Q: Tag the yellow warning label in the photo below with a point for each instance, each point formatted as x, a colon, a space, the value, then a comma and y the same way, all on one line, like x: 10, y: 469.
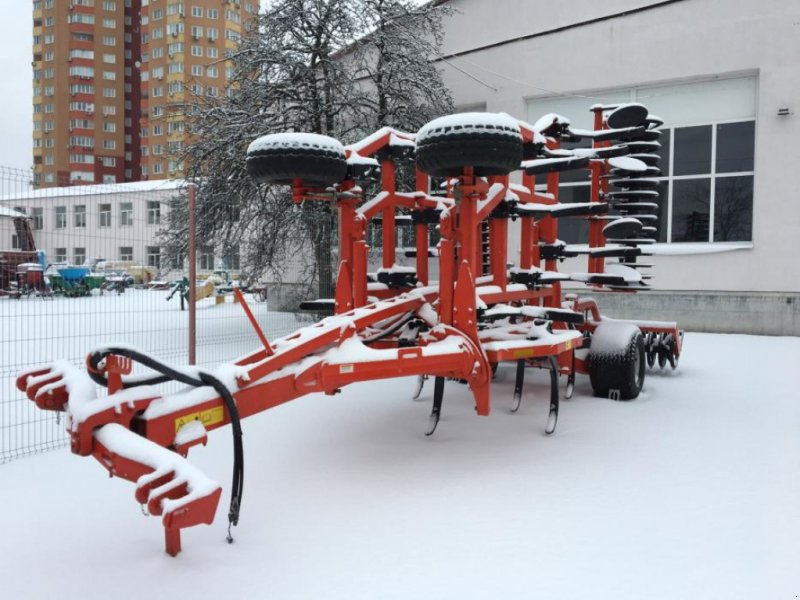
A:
x: 568, y: 345
x: 346, y: 368
x: 523, y: 352
x: 208, y: 418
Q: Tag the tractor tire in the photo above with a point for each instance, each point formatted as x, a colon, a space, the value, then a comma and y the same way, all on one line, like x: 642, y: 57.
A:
x: 617, y: 361
x: 490, y: 143
x: 282, y: 158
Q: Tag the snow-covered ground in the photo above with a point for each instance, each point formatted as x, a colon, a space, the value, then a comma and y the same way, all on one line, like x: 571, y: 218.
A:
x: 690, y: 491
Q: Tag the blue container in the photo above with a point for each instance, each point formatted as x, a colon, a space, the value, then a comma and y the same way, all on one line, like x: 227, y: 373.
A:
x: 73, y: 275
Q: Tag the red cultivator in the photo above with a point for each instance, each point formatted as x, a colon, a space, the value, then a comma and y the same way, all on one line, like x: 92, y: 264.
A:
x: 399, y: 321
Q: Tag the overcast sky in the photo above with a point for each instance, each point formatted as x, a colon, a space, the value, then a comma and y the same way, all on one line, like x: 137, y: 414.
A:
x: 16, y: 114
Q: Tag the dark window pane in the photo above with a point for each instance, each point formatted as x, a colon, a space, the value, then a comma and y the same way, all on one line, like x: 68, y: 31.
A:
x: 574, y: 230
x: 733, y: 209
x: 663, y: 152
x: 661, y: 224
x: 578, y: 175
x: 735, y: 146
x: 692, y: 150
x: 691, y: 202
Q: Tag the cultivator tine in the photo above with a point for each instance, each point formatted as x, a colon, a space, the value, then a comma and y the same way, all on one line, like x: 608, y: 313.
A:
x: 570, y: 380
x: 520, y: 379
x: 552, y: 416
x: 419, y: 385
x: 436, y: 412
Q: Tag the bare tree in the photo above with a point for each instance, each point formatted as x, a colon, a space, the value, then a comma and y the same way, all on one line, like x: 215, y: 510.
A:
x: 306, y: 65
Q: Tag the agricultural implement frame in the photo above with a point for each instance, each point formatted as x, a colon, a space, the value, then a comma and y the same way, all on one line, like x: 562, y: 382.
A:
x: 397, y: 322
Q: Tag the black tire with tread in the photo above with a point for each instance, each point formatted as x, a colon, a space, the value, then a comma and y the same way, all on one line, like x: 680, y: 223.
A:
x: 622, y: 369
x: 314, y: 166
x: 490, y: 153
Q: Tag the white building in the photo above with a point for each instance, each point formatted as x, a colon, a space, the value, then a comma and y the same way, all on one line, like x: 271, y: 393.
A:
x: 725, y: 78
x: 116, y: 222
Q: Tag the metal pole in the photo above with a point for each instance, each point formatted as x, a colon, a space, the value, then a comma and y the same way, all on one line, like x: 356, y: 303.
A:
x: 192, y: 258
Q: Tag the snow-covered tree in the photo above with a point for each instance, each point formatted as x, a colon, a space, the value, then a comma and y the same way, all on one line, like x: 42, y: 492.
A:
x: 335, y: 67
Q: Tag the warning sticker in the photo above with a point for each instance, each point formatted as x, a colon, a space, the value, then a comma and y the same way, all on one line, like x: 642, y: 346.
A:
x: 208, y: 418
x: 346, y: 368
x: 523, y: 352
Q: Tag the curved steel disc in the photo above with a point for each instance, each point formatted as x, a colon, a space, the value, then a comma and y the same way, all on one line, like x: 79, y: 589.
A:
x: 627, y: 115
x: 626, y: 227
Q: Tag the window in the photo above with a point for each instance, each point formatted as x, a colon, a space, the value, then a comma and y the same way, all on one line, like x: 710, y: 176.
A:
x: 126, y: 253
x: 213, y: 13
x: 109, y: 127
x: 205, y: 259
x: 707, y: 158
x: 61, y: 255
x: 104, y: 216
x: 109, y: 5
x: 109, y: 144
x: 49, y: 159
x: 109, y: 92
x: 157, y: 130
x: 80, y: 215
x: 81, y: 72
x: 213, y: 33
x: 175, y: 8
x: 109, y: 179
x: 212, y: 72
x: 110, y: 59
x: 81, y: 88
x: 61, y: 217
x: 109, y: 109
x: 126, y: 214
x: 109, y: 40
x: 197, y: 11
x: 79, y: 17
x: 153, y: 212
x: 197, y: 31
x: 109, y: 23
x: 153, y: 256
x: 197, y: 70
x: 108, y: 161
x: 78, y: 256
x: 231, y: 259
x: 81, y: 124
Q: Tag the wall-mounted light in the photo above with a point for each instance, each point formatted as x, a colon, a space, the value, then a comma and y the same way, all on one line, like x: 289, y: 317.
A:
x: 784, y: 112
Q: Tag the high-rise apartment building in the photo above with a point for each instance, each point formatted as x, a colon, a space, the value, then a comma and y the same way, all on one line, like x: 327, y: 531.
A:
x: 114, y: 82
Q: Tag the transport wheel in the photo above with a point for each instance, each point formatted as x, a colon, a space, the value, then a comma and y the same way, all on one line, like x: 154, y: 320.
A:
x: 617, y: 361
x: 280, y: 158
x: 489, y: 142
x: 650, y: 348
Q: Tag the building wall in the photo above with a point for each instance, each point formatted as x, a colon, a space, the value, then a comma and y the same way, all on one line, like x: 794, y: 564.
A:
x: 97, y: 238
x: 676, y: 42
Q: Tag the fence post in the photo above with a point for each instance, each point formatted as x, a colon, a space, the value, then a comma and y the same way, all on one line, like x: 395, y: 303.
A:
x: 192, y: 258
